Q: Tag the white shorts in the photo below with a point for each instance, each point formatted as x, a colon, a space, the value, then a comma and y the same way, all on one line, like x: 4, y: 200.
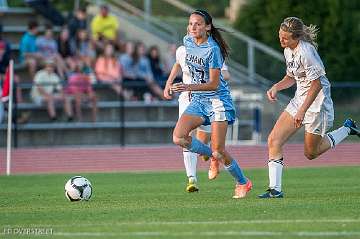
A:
x: 183, y: 104
x: 315, y: 122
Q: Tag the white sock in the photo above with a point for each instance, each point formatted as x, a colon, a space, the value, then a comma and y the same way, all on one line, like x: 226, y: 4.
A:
x: 338, y: 135
x: 275, y: 173
x: 190, y: 161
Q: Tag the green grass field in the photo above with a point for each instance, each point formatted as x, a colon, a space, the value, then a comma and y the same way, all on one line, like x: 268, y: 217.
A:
x: 319, y: 203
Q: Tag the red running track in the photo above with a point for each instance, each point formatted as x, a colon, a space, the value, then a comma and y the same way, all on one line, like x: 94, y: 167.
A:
x: 115, y: 159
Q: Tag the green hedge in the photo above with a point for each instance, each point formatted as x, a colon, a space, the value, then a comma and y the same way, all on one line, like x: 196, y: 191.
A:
x: 338, y: 21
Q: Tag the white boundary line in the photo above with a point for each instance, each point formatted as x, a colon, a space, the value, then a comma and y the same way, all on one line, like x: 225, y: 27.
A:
x: 201, y: 233
x: 209, y: 234
x: 284, y: 221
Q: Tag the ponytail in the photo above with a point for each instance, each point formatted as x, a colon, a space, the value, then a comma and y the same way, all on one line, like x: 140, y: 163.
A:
x: 224, y: 47
x: 310, y: 34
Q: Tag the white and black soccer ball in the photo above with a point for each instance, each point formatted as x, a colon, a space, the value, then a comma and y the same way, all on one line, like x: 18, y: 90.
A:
x: 78, y: 188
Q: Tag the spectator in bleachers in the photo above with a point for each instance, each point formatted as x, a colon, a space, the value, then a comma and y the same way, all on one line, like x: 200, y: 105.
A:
x: 83, y: 48
x: 4, y: 56
x: 47, y: 89
x: 108, y: 70
x: 143, y: 70
x: 137, y: 71
x: 5, y: 51
x: 4, y: 61
x: 65, y: 49
x: 157, y: 66
x: 77, y: 21
x: 47, y: 10
x: 48, y: 49
x: 170, y: 59
x: 104, y: 28
x: 79, y: 86
x: 28, y: 50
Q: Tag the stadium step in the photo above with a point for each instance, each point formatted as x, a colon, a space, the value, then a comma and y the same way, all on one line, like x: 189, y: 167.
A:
x: 110, y: 111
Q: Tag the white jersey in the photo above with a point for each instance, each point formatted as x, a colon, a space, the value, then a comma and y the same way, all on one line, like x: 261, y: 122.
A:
x: 304, y: 65
x: 186, y: 77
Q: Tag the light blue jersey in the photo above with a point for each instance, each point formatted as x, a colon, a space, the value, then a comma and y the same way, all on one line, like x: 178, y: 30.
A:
x: 210, y: 105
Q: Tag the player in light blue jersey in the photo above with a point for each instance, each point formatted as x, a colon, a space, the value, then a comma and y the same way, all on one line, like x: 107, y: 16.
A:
x: 211, y: 102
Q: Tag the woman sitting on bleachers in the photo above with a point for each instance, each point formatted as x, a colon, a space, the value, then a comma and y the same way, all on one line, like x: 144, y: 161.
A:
x: 65, y: 49
x: 137, y: 71
x: 108, y: 71
x: 157, y: 66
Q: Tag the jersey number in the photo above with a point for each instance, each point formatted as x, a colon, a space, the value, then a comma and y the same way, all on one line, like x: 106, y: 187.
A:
x: 198, y: 75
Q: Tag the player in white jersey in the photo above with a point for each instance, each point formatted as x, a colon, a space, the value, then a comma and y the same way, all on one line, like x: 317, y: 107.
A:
x: 203, y: 132
x: 311, y: 106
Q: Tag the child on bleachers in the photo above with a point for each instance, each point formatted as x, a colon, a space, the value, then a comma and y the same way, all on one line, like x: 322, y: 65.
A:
x: 79, y: 86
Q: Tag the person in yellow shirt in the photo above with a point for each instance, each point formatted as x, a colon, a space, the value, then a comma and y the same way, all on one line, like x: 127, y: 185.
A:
x: 104, y: 25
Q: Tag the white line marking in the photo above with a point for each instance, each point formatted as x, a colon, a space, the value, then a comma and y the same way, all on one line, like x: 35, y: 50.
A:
x: 211, y: 234
x: 284, y: 221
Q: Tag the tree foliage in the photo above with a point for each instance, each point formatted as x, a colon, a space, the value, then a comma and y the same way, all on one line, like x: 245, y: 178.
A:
x: 338, y: 21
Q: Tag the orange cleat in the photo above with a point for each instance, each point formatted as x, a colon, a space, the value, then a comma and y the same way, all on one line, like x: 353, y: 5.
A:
x: 242, y: 189
x: 214, y: 168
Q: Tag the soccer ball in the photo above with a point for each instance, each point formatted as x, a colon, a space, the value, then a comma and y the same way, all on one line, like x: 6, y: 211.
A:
x: 78, y: 188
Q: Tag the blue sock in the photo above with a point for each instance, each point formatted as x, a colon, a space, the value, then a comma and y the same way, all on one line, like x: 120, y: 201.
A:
x: 199, y: 147
x: 236, y: 172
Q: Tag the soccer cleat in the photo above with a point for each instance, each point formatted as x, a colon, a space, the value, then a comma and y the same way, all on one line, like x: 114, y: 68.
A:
x: 204, y: 158
x: 191, y: 186
x: 242, y: 189
x: 352, y: 126
x: 214, y: 168
x: 271, y: 193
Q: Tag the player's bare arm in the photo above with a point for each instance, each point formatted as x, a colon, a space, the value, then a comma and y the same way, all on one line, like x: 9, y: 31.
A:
x: 285, y: 83
x: 174, y: 72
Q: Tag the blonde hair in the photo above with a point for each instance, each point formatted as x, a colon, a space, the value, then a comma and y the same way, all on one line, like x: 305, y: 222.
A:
x: 299, y: 30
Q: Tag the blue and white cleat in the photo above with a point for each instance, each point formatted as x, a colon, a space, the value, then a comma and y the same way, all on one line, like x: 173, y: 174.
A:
x: 354, y: 130
x: 271, y: 193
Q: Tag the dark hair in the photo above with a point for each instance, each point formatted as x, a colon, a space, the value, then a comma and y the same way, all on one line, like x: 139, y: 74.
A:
x: 136, y: 56
x: 214, y: 32
x: 48, y: 26
x: 32, y: 24
x: 82, y: 9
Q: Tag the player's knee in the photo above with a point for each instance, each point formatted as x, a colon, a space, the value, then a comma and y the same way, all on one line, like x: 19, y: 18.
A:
x: 218, y: 154
x: 273, y: 142
x: 310, y: 155
x: 181, y: 141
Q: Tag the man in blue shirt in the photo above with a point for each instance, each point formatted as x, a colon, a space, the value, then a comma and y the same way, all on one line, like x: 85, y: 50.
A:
x: 28, y: 50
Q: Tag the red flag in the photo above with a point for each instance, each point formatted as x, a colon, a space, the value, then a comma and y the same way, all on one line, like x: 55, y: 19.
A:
x: 6, y: 86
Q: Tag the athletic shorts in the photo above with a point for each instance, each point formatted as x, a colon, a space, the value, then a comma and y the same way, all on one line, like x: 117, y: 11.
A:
x: 183, y: 104
x: 211, y: 110
x: 315, y: 122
